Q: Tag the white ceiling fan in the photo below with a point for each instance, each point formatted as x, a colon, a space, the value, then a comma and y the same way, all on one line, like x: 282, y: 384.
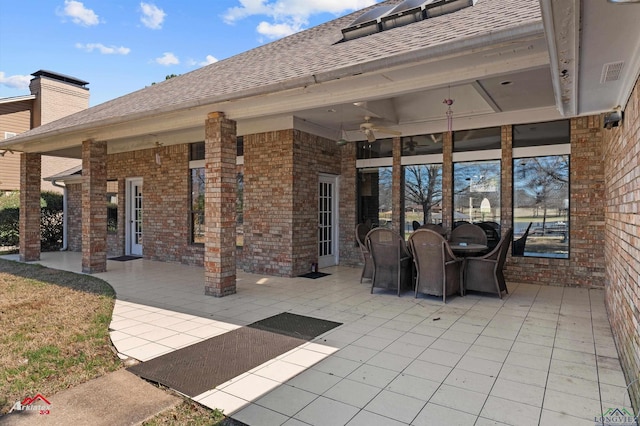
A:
x: 368, y: 128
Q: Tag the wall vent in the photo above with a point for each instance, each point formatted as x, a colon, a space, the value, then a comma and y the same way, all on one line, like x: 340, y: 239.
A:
x: 611, y: 71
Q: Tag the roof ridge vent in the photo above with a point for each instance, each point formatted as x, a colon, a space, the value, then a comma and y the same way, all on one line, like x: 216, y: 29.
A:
x: 611, y: 71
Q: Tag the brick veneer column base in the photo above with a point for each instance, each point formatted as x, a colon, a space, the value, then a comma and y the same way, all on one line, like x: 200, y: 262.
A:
x: 220, y: 206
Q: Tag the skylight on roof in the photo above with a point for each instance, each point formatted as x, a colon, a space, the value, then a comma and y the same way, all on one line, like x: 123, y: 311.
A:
x: 384, y: 18
x: 367, y: 23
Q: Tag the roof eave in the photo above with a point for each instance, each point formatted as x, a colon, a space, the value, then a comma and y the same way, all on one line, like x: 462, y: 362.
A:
x: 562, y: 23
x: 529, y: 29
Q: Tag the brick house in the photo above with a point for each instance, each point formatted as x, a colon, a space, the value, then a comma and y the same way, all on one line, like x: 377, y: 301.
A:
x: 53, y: 96
x: 539, y: 124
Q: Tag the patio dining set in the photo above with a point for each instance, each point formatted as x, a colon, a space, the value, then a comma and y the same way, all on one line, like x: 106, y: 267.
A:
x: 433, y: 261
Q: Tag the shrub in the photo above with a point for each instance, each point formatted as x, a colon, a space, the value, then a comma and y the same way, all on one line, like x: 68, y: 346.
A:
x: 9, y: 226
x: 51, y: 219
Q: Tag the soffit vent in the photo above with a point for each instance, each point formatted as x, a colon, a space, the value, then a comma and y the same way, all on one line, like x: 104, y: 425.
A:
x: 611, y: 71
x: 384, y: 18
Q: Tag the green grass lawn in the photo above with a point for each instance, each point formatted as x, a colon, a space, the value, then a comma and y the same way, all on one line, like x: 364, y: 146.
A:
x: 54, y: 330
x: 55, y: 335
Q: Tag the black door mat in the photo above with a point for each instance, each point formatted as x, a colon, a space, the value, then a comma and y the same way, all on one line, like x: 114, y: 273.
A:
x: 314, y: 275
x: 203, y: 366
x: 125, y: 258
x: 293, y: 325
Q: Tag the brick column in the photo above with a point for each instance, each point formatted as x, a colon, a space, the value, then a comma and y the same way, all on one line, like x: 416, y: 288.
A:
x: 30, y: 177
x: 220, y: 206
x: 349, y: 250
x: 94, y: 206
x: 506, y: 187
x: 397, y: 192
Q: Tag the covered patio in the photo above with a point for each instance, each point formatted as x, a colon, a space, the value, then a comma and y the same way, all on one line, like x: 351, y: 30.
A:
x: 541, y: 355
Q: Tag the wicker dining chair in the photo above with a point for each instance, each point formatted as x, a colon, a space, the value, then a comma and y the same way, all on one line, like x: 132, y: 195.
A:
x: 484, y: 273
x: 361, y: 237
x: 392, y: 267
x: 434, y: 227
x: 468, y: 233
x: 438, y: 270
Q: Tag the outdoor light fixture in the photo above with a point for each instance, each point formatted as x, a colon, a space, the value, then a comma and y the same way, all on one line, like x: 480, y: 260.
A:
x: 342, y: 141
x: 158, y: 158
x: 612, y: 119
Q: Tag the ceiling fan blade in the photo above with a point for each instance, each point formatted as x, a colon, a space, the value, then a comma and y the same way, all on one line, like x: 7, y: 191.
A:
x: 370, y: 136
x: 388, y: 131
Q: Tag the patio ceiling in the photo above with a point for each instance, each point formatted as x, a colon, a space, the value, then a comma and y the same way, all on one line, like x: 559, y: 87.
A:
x: 584, y: 59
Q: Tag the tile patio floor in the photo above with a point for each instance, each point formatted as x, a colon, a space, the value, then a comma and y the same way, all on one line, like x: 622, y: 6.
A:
x: 541, y: 356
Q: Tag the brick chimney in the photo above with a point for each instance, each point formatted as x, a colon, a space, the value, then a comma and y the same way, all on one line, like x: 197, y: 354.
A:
x: 57, y: 95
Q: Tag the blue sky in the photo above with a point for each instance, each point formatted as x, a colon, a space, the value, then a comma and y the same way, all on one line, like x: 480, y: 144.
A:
x: 120, y: 46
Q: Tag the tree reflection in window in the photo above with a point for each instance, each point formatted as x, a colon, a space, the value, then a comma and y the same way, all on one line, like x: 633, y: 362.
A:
x: 197, y: 205
x: 423, y: 193
x: 541, y: 197
x: 112, y: 206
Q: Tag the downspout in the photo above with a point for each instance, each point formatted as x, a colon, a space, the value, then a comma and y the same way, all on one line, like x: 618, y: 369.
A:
x: 64, y: 214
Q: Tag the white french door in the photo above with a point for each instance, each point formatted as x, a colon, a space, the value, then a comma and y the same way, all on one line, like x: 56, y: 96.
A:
x: 134, y: 217
x: 327, y: 221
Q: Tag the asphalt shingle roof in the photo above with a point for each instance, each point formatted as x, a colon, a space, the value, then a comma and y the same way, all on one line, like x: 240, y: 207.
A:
x: 295, y: 60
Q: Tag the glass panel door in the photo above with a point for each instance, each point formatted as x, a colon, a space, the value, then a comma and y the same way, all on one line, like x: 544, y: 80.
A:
x: 135, y: 213
x: 327, y: 223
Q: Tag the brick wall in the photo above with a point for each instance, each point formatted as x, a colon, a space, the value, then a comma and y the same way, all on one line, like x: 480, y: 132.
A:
x: 349, y: 250
x: 280, y: 212
x: 74, y: 217
x: 165, y: 202
x: 622, y: 238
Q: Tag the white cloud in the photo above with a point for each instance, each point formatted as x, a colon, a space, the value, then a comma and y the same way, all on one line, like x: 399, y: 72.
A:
x: 152, y: 16
x: 105, y: 50
x: 167, y: 59
x: 15, y: 81
x: 209, y: 60
x: 79, y: 14
x: 274, y: 31
x: 289, y: 16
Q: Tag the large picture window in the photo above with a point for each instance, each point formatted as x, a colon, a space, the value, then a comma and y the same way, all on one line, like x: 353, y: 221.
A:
x: 375, y: 200
x: 197, y: 205
x: 422, y: 194
x: 541, y: 206
x: 112, y: 206
x: 380, y: 148
x: 476, y: 195
x: 196, y: 202
x: 541, y: 189
x: 239, y: 209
